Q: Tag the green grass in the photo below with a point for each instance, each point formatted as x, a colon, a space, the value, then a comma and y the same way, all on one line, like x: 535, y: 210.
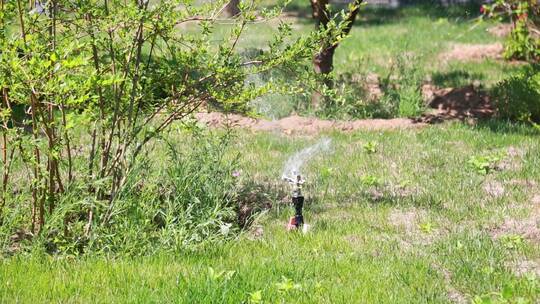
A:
x: 381, y: 36
x: 423, y: 233
x: 375, y: 48
x: 408, y: 221
x: 424, y: 31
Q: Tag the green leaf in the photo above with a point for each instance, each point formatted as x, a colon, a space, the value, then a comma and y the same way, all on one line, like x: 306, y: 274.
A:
x: 255, y: 297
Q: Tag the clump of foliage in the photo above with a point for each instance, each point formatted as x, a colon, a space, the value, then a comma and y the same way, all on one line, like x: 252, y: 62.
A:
x: 100, y: 82
x: 518, y: 97
x: 401, y: 94
x: 187, y: 199
x: 370, y: 180
x: 370, y: 147
x: 523, y: 42
x: 521, y: 45
x: 402, y: 88
x: 189, y: 202
x: 484, y: 164
x: 350, y: 99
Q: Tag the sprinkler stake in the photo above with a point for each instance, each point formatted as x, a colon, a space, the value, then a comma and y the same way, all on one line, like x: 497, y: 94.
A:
x: 298, y: 202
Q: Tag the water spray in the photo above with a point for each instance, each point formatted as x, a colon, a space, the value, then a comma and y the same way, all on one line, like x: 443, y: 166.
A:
x: 292, y: 175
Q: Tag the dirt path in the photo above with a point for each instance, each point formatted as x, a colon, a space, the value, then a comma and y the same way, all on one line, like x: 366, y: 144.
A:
x: 304, y: 125
x: 473, y: 52
x: 449, y: 104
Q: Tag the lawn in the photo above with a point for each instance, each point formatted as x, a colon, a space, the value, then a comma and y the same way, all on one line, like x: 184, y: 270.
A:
x: 439, y: 214
x: 445, y: 213
x: 417, y: 34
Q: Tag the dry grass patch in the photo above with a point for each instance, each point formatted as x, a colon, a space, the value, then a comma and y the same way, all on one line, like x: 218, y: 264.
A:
x: 500, y: 30
x: 417, y: 227
x: 473, y: 52
x: 454, y: 295
x: 526, y: 267
x: 528, y: 227
x: 494, y: 189
x: 513, y: 160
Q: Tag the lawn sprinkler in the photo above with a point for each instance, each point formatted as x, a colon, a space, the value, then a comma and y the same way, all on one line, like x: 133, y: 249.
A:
x: 291, y: 174
x: 297, y: 221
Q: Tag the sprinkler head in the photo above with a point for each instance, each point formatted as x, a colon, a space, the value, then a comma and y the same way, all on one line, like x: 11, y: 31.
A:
x: 298, y: 201
x: 296, y: 184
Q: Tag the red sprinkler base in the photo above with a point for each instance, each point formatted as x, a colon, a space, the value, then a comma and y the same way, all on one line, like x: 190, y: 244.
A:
x: 293, y: 224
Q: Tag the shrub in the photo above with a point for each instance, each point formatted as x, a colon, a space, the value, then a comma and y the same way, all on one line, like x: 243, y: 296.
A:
x: 128, y: 72
x: 401, y: 94
x: 188, y: 199
x: 520, y: 45
x: 525, y: 18
x: 191, y: 201
x: 518, y: 97
x: 349, y: 100
x: 402, y: 88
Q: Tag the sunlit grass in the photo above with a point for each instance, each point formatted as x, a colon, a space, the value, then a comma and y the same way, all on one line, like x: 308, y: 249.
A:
x: 382, y: 37
x: 408, y: 220
x: 421, y: 234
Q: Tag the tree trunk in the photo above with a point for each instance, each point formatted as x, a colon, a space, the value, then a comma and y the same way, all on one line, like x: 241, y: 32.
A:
x: 323, y: 64
x: 232, y: 9
x: 320, y: 13
x: 323, y: 61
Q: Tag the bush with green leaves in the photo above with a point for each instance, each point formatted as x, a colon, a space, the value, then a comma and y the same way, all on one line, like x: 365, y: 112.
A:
x: 525, y: 18
x: 100, y: 81
x: 187, y: 199
x: 518, y: 97
x: 188, y: 203
x: 401, y: 88
x: 349, y: 99
x: 520, y: 44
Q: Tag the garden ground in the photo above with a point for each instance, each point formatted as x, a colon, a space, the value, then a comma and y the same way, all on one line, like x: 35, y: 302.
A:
x: 441, y: 47
x: 444, y: 213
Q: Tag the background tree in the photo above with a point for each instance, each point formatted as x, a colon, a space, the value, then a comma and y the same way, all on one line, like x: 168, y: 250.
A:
x: 518, y: 96
x: 332, y: 34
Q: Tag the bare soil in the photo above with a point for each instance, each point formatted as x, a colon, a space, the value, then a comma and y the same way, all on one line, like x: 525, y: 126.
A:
x: 473, y: 52
x: 501, y: 30
x: 303, y: 125
x: 463, y: 103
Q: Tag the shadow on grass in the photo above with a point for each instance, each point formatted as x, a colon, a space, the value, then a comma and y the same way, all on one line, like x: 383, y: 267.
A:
x: 457, y: 78
x: 502, y: 126
x: 256, y: 196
